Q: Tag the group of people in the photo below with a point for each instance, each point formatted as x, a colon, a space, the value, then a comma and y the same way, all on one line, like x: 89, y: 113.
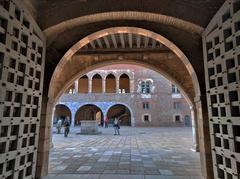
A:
x: 65, y: 124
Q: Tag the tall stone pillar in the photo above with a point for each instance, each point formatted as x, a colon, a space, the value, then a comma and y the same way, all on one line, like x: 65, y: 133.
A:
x: 72, y: 118
x: 117, y: 85
x: 131, y: 86
x: 195, y: 146
x: 76, y: 86
x: 90, y: 85
x: 104, y: 85
x: 204, y: 137
x: 44, y: 137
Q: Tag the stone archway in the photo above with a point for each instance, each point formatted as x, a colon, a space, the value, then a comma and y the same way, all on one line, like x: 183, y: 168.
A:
x: 61, y: 112
x: 186, y: 82
x: 120, y: 111
x: 89, y: 112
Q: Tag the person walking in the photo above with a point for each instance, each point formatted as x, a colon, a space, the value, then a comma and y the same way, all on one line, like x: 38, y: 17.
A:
x: 106, y: 122
x: 116, y: 125
x: 59, y: 126
x: 67, y: 127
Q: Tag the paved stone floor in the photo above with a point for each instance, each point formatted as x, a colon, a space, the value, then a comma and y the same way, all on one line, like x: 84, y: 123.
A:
x: 150, y: 153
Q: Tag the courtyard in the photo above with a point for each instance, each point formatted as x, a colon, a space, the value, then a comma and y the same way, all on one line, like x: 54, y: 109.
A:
x: 163, y: 152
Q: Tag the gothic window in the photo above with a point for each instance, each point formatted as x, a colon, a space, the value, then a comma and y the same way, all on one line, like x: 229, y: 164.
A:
x: 146, y: 87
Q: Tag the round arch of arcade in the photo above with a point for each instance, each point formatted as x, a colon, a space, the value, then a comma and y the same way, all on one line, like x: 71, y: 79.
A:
x: 88, y: 111
x: 132, y: 119
x: 61, y: 111
x: 59, y: 82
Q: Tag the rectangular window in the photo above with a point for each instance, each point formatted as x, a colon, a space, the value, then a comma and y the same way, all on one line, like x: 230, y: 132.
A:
x: 177, y: 118
x: 146, y: 118
x: 145, y: 105
x: 175, y: 90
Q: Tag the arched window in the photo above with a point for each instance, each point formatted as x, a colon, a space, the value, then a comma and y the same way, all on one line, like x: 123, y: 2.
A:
x: 110, y: 84
x: 97, y: 84
x: 83, y: 84
x: 124, y: 83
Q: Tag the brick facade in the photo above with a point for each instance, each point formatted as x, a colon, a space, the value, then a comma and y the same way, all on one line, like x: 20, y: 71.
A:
x: 161, y: 105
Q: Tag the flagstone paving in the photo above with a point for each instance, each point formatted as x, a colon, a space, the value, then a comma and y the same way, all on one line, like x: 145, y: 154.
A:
x: 136, y: 153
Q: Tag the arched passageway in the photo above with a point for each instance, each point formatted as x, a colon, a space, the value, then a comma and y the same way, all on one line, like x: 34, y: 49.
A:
x: 61, y: 112
x: 83, y: 84
x: 89, y: 112
x: 110, y: 84
x: 121, y: 112
x: 184, y: 76
x: 124, y: 83
x: 97, y: 84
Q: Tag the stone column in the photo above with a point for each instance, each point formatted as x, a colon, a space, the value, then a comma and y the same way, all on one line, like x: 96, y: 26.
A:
x: 131, y: 87
x: 44, y: 141
x: 90, y: 85
x: 72, y: 118
x: 104, y: 85
x: 117, y: 85
x: 76, y: 86
x: 195, y: 146
x: 204, y: 137
x: 104, y: 117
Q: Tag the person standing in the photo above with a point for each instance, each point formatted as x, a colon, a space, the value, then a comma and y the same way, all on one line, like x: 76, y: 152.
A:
x: 67, y: 127
x: 59, y: 126
x: 116, y: 125
x: 106, y: 122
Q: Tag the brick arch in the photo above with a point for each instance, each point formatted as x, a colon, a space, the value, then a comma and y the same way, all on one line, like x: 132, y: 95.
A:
x: 53, y: 32
x: 54, y: 93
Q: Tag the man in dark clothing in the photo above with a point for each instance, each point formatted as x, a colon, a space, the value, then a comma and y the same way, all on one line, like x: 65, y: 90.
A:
x: 67, y: 127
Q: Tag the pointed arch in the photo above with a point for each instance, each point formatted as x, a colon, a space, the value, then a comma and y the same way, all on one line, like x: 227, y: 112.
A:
x: 110, y: 83
x: 124, y: 83
x: 97, y: 83
x: 83, y: 84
